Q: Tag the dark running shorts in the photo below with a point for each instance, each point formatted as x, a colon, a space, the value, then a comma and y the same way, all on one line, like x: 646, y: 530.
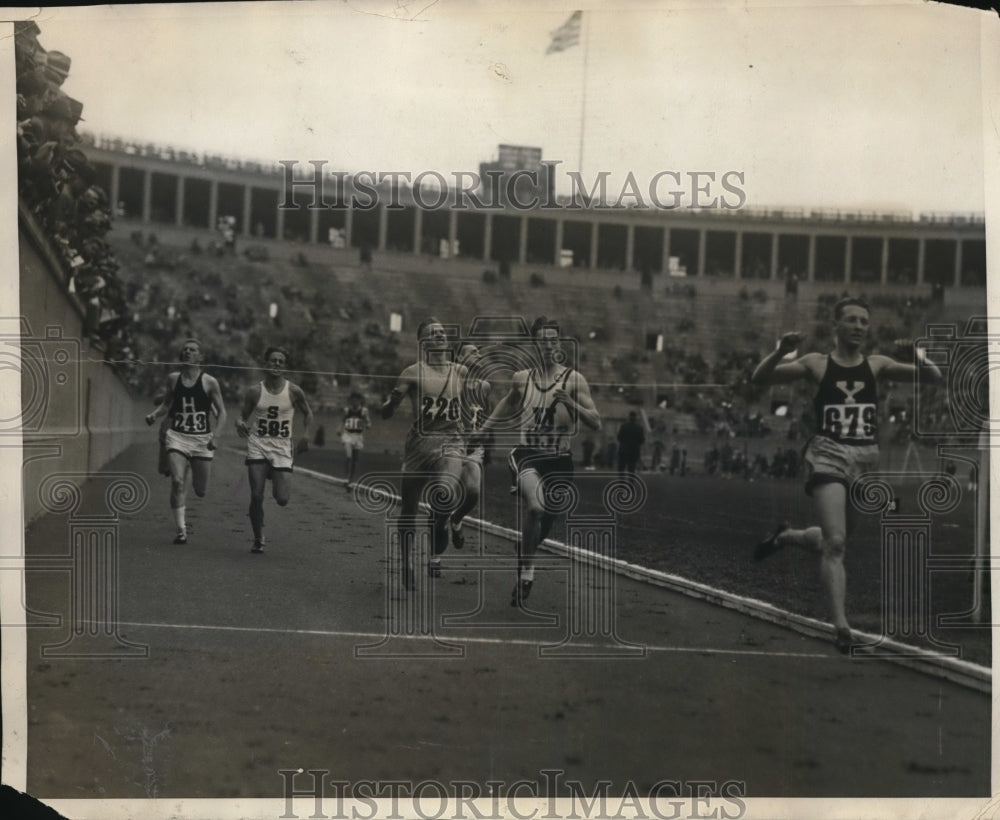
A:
x: 548, y: 465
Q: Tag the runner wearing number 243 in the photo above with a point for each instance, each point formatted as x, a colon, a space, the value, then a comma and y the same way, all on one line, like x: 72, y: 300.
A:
x: 191, y: 398
x: 846, y: 441
x: 266, y: 423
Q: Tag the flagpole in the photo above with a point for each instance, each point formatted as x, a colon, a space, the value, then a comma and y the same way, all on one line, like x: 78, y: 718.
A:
x: 583, y: 96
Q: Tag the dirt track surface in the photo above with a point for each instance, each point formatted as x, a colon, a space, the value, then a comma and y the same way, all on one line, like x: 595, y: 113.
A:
x: 704, y: 527
x: 253, y: 666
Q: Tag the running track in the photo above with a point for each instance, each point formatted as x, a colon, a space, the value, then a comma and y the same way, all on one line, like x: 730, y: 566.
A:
x: 252, y: 667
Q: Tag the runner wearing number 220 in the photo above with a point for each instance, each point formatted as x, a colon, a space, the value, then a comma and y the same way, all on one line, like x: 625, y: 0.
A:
x: 435, y: 446
x: 266, y: 423
x: 846, y: 440
x: 545, y: 401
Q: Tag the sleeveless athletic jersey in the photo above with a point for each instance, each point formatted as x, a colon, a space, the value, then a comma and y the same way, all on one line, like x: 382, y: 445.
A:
x: 191, y: 408
x: 354, y: 420
x: 547, y: 426
x: 439, y: 406
x: 272, y: 417
x: 846, y: 403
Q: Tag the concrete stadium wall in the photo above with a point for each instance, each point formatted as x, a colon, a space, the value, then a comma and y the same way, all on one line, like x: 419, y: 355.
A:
x: 77, y: 414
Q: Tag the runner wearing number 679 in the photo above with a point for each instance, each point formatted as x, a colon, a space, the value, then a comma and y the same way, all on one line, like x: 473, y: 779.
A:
x: 266, y: 423
x: 845, y: 444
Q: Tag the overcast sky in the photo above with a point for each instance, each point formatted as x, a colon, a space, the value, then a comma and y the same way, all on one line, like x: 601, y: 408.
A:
x: 852, y: 105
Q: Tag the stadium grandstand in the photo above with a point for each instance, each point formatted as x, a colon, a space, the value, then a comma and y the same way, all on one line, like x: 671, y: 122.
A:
x: 650, y: 289
x: 135, y: 225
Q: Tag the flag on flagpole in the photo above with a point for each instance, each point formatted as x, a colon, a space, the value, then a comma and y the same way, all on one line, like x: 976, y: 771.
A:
x: 567, y: 35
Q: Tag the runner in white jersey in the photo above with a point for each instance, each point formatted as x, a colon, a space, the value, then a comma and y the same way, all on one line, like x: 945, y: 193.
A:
x: 546, y: 400
x: 191, y: 399
x: 352, y: 433
x: 435, y: 445
x: 266, y: 421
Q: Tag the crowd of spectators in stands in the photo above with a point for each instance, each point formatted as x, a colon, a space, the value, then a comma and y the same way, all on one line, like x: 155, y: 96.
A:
x: 56, y: 184
x: 169, y: 154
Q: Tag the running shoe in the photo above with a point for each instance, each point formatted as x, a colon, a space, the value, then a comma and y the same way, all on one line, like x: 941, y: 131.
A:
x: 181, y: 538
x: 520, y: 592
x: 258, y: 547
x: 770, y: 545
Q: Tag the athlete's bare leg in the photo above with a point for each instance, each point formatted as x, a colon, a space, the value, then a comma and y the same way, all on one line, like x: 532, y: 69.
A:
x: 201, y: 471
x: 830, y: 503
x: 257, y: 476
x: 281, y: 486
x: 410, y: 488
x: 529, y: 484
x: 810, y: 538
x: 450, y: 475
x: 179, y: 469
x: 471, y: 482
x: 829, y: 540
x: 350, y: 462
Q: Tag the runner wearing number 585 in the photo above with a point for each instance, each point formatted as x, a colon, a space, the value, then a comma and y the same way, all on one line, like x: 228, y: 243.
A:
x: 546, y: 401
x: 266, y: 423
x: 846, y: 441
x: 192, y: 398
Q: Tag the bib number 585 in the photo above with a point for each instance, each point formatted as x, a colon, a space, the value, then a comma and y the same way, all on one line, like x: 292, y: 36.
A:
x: 274, y: 428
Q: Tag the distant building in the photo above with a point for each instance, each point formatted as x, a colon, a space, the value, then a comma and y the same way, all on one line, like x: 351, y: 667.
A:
x: 517, y: 177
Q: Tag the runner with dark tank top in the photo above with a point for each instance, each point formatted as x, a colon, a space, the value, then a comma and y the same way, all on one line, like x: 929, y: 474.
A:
x: 194, y: 409
x: 846, y: 403
x: 845, y: 443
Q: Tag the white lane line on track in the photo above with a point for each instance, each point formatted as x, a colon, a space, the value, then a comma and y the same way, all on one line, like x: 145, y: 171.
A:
x: 957, y: 670
x: 337, y: 633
